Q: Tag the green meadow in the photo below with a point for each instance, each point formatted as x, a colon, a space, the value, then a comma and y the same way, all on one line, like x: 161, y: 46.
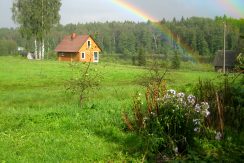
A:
x: 41, y: 122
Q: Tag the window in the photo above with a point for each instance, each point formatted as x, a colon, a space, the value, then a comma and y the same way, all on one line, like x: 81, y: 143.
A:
x: 88, y: 43
x: 83, y: 55
x: 95, y: 56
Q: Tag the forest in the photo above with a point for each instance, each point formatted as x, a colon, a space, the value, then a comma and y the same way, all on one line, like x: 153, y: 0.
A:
x: 202, y: 36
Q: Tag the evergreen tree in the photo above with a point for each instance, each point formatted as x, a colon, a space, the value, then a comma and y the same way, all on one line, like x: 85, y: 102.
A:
x: 175, y: 61
x: 142, y: 57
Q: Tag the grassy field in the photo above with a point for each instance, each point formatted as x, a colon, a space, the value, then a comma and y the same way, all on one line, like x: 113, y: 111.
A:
x: 41, y: 122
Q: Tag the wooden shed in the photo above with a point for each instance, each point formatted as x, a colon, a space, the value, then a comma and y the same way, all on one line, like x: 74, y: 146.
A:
x: 230, y: 59
x: 81, y: 48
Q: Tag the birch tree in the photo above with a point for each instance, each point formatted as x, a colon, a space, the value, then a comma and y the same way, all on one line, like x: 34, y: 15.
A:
x: 36, y: 18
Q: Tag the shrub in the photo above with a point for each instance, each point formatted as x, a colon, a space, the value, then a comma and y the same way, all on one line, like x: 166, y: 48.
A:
x: 226, y: 102
x: 86, y: 80
x: 168, y: 121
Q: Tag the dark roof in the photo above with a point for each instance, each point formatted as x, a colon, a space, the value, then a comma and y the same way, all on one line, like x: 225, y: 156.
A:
x: 230, y: 58
x: 69, y: 44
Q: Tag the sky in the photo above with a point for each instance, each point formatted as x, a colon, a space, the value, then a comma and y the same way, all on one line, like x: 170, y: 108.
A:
x: 82, y: 11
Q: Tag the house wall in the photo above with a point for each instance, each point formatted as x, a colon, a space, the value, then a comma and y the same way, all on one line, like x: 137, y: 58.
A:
x: 88, y: 51
x: 64, y: 56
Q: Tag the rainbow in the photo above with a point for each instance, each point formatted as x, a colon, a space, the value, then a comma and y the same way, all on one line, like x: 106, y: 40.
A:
x: 155, y: 23
x: 235, y: 7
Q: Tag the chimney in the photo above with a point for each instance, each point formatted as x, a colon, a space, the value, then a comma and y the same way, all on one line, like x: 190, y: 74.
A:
x: 73, y: 35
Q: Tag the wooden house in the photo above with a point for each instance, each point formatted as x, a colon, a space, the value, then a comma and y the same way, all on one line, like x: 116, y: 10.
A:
x: 230, y: 60
x: 80, y: 48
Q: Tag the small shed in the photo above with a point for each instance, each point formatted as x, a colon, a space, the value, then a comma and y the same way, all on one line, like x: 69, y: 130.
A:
x: 81, y: 48
x: 230, y: 59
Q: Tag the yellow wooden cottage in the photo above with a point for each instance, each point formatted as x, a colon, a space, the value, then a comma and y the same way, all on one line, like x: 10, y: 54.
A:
x: 81, y: 48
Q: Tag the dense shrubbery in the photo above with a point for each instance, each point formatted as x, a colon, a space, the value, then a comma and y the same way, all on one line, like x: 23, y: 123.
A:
x: 174, y: 125
x: 168, y: 121
x: 225, y: 97
x: 7, y: 47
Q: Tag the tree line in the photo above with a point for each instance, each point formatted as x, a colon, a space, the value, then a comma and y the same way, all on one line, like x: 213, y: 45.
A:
x: 203, y: 36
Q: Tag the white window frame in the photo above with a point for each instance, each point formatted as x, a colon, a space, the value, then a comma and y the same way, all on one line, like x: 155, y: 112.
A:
x: 84, y: 55
x: 94, y: 56
x: 88, y: 44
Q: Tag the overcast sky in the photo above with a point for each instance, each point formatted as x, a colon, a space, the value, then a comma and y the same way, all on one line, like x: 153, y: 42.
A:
x: 74, y: 11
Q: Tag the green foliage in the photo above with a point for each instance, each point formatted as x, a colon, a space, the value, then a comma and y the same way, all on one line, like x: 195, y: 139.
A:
x: 8, y: 47
x: 87, y: 80
x: 175, y: 61
x: 40, y: 122
x: 204, y: 36
x: 240, y: 62
x: 225, y: 100
x: 142, y: 57
x: 37, y: 17
x: 168, y: 122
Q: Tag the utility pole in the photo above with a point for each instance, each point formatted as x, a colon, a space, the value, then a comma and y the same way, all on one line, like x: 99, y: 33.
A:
x: 224, y: 45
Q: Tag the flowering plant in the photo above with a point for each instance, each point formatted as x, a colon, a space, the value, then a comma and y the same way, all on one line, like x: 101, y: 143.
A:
x: 169, y: 120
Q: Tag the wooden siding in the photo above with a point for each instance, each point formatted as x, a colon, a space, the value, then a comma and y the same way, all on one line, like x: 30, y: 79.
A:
x: 64, y: 56
x: 89, y: 53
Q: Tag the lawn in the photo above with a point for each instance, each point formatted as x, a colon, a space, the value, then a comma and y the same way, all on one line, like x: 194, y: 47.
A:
x: 41, y: 122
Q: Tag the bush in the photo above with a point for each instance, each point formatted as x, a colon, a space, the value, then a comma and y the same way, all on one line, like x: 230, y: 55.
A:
x: 225, y: 97
x: 86, y: 80
x: 168, y: 121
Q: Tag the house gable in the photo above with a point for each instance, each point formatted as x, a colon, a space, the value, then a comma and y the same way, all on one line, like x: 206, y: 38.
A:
x: 78, y: 48
x: 93, y: 45
x: 89, y: 50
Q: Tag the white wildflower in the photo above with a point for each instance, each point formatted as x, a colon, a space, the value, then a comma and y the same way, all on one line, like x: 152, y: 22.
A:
x: 196, y: 121
x: 176, y: 149
x: 196, y: 129
x: 218, y: 136
x: 204, y: 105
x: 180, y: 95
x: 145, y: 119
x: 197, y: 108
x: 171, y: 92
x: 191, y: 99
x: 153, y: 114
x: 206, y: 113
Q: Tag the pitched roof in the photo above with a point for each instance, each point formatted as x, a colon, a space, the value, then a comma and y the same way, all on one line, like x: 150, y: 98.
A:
x: 230, y: 58
x: 71, y: 44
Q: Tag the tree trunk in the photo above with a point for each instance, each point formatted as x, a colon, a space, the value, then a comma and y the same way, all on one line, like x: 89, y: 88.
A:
x: 35, y: 52
x: 155, y: 42
x: 43, y: 49
x: 39, y: 50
